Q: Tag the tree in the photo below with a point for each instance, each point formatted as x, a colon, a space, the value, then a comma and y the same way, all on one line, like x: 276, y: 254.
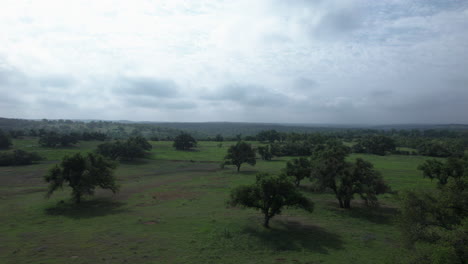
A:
x: 219, y: 138
x: 269, y: 194
x: 83, y: 173
x: 240, y: 153
x: 435, y: 169
x: 265, y: 152
x: 377, y: 145
x: 132, y: 148
x: 298, y: 169
x: 18, y: 157
x: 268, y: 135
x: 331, y: 170
x: 184, y: 141
x: 437, y: 221
x: 5, y: 141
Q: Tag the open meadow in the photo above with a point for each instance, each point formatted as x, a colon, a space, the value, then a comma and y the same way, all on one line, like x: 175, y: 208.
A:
x: 171, y: 208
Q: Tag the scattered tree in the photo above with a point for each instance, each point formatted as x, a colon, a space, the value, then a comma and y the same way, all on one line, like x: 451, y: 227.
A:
x: 298, y: 169
x: 18, y: 157
x: 184, y: 141
x: 83, y: 173
x: 435, y: 223
x: 132, y: 148
x: 265, y: 152
x: 378, y: 145
x: 270, y: 194
x: 331, y: 170
x: 240, y: 153
x: 5, y: 141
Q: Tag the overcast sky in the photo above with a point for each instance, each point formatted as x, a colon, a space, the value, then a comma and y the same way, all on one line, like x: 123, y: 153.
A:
x: 330, y: 61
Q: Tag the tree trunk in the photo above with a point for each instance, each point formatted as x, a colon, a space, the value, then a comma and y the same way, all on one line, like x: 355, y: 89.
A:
x: 347, y: 204
x: 341, y: 203
x: 266, y: 223
x: 238, y: 167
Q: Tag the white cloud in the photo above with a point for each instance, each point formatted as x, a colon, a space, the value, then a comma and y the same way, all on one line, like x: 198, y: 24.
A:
x: 301, y: 60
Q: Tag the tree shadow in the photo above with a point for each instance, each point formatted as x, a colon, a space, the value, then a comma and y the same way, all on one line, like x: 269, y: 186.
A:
x: 294, y: 236
x: 378, y: 215
x: 87, y: 209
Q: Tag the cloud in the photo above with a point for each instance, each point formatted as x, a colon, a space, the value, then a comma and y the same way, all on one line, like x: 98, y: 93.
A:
x: 147, y: 86
x: 247, y: 95
x: 353, y: 61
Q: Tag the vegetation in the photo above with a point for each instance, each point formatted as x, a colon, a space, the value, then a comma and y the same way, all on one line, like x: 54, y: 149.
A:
x: 5, y: 141
x: 265, y: 152
x: 240, y: 153
x: 331, y: 170
x: 378, y: 145
x: 184, y: 141
x: 435, y: 224
x: 83, y: 173
x: 132, y: 148
x: 299, y: 169
x: 53, y: 139
x: 172, y: 205
x: 269, y: 195
x: 18, y: 157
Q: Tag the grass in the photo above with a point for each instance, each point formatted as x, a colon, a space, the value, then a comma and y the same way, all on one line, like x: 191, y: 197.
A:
x: 172, y: 209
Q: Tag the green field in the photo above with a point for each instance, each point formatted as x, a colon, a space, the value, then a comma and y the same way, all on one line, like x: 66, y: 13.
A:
x: 172, y: 209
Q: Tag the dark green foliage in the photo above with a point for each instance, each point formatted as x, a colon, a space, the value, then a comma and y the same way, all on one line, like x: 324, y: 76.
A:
x: 378, y: 145
x: 299, y: 169
x: 268, y: 135
x: 18, y: 157
x: 437, y: 148
x: 132, y: 148
x: 184, y: 141
x: 83, y: 173
x: 219, y: 138
x: 269, y: 195
x: 240, y: 153
x: 5, y: 141
x: 265, y: 152
x: 436, y: 224
x: 331, y: 170
x: 442, y: 171
x: 86, y: 136
x: 53, y: 139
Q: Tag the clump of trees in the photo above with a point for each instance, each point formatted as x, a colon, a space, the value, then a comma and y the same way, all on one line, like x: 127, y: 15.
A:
x: 184, y: 141
x: 435, y: 224
x: 376, y: 144
x: 18, y: 157
x: 270, y: 194
x: 83, y: 173
x: 53, y: 139
x: 269, y: 135
x: 240, y: 153
x: 130, y: 149
x: 5, y: 141
x: 346, y: 179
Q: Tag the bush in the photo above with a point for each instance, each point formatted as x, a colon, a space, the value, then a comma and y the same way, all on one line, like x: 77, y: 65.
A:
x: 18, y: 157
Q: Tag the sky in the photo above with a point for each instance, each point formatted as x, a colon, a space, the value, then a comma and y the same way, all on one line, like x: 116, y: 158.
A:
x: 295, y: 61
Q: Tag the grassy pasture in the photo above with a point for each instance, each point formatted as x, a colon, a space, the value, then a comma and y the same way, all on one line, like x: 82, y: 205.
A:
x: 171, y: 209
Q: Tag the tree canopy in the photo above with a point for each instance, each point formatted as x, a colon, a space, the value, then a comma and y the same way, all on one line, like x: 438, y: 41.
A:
x: 240, y: 153
x: 436, y: 223
x: 270, y: 194
x: 132, y: 148
x: 5, y: 141
x: 83, y: 173
x: 299, y: 169
x: 184, y: 141
x: 331, y: 170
